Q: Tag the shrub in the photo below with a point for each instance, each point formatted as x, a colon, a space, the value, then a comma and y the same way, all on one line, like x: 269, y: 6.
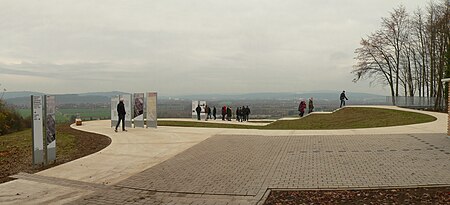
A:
x: 10, y: 120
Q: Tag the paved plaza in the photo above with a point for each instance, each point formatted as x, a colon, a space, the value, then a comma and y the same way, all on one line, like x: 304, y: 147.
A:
x: 172, y: 165
x: 241, y: 169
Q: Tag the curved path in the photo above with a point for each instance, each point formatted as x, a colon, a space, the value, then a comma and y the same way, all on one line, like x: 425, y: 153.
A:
x: 230, y: 166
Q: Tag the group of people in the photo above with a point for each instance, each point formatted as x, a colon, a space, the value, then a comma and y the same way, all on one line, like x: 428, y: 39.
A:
x: 242, y: 113
x: 302, y: 107
x: 209, y: 113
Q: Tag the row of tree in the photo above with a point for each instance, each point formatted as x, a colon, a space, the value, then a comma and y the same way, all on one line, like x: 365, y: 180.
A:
x: 409, y: 53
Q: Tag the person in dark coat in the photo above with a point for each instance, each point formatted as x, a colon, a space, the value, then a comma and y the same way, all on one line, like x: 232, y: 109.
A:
x: 214, y: 112
x: 229, y: 113
x: 247, y: 113
x: 238, y: 114
x: 242, y: 114
x: 198, y: 110
x: 209, y: 112
x: 310, y: 105
x: 121, y: 112
x: 343, y: 98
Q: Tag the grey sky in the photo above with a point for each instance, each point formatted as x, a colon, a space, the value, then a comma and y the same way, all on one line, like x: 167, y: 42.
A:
x: 186, y: 46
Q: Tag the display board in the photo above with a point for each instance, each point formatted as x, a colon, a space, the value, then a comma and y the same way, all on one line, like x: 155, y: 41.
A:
x: 202, y: 113
x: 127, y: 103
x: 114, y: 114
x: 50, y: 128
x: 37, y: 125
x: 138, y: 111
x: 151, y: 108
x: 194, y: 112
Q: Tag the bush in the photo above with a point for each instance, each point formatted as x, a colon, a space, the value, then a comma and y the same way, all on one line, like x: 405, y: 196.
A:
x: 10, y: 120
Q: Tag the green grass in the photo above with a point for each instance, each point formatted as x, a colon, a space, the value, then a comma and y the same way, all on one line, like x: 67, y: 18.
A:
x: 19, y: 143
x: 204, y: 124
x: 64, y: 115
x: 347, y: 118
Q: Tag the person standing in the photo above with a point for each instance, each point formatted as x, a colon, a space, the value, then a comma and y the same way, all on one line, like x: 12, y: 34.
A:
x: 238, y: 114
x: 310, y: 105
x: 224, y: 112
x: 214, y: 112
x: 343, y: 98
x: 198, y: 110
x: 121, y: 112
x: 207, y: 111
x: 247, y: 113
x: 229, y: 113
x: 301, y: 108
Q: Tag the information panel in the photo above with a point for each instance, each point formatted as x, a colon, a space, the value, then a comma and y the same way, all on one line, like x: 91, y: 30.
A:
x: 114, y: 114
x: 202, y: 113
x: 38, y: 137
x: 50, y: 128
x: 138, y: 111
x: 151, y: 109
x: 194, y: 112
x: 127, y: 103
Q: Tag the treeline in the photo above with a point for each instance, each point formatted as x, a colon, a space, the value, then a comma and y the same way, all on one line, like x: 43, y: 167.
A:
x: 409, y: 53
x: 11, y: 121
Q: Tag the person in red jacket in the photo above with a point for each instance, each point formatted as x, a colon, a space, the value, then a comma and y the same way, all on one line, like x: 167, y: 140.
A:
x: 224, y: 112
x: 302, y: 108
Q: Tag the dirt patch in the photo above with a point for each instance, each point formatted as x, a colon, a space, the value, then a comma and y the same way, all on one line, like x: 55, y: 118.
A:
x: 74, y: 144
x: 437, y: 195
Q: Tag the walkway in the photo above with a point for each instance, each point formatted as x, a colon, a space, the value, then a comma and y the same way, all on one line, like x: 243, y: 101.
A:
x: 238, y: 166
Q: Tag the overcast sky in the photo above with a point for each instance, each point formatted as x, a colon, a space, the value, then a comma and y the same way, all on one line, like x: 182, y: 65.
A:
x: 186, y: 46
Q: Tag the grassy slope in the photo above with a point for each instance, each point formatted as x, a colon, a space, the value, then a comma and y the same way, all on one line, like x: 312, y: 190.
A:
x: 204, y: 124
x: 15, y: 149
x: 19, y: 143
x: 347, y: 118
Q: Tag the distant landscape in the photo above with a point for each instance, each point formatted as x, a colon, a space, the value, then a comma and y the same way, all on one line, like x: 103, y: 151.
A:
x: 93, y: 106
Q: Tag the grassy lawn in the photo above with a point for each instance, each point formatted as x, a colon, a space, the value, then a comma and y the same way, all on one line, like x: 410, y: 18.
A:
x: 347, y: 118
x: 63, y: 115
x: 15, y: 151
x: 204, y: 124
x: 16, y: 156
x: 19, y: 143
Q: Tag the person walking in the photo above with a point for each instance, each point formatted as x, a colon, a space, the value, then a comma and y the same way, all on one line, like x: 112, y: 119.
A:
x: 198, y: 110
x: 343, y: 98
x: 121, y: 112
x: 310, y: 105
x: 214, y: 112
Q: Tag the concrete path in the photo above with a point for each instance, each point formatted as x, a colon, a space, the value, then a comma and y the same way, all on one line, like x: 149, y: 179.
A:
x: 139, y: 166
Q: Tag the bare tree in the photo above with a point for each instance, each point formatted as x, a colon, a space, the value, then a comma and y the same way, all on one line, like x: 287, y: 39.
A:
x: 373, y: 61
x: 395, y: 33
x: 411, y: 52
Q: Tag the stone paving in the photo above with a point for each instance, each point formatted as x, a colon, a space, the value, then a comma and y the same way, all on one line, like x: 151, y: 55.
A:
x: 240, y: 169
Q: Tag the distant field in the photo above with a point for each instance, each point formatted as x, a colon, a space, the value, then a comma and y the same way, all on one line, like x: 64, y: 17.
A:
x: 65, y: 114
x: 347, y: 118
